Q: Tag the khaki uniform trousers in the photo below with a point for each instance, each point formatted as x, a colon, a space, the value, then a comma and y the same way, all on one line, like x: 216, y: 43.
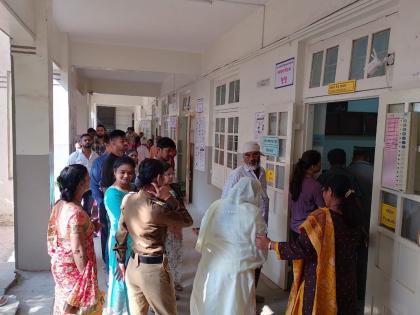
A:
x: 150, y: 284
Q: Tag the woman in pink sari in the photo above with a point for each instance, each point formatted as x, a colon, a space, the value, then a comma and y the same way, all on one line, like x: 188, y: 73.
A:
x: 70, y: 245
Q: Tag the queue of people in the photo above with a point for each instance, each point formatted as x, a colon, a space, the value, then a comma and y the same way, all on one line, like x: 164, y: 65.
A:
x: 142, y: 214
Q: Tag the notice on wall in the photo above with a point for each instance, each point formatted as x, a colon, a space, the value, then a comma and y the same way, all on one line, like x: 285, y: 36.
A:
x: 285, y: 72
x: 199, y: 144
x: 172, y: 121
x: 395, y: 160
x: 200, y: 105
x: 388, y: 216
x: 270, y: 145
x: 269, y: 177
x: 259, y: 126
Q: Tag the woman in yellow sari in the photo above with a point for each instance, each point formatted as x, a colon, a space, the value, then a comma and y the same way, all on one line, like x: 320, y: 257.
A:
x: 324, y: 254
x: 70, y: 245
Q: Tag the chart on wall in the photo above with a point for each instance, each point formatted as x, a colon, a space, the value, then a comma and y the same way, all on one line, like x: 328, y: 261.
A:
x: 394, y: 167
x: 199, y: 144
x: 259, y: 126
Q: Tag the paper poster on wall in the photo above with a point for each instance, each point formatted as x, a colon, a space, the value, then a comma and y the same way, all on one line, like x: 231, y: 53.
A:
x: 285, y: 71
x: 259, y: 126
x: 200, y: 105
x: 199, y: 144
x: 172, y: 121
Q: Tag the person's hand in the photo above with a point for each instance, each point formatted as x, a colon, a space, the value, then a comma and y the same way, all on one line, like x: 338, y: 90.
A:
x: 162, y: 192
x: 196, y: 231
x: 263, y: 242
x: 98, y: 225
x: 120, y: 272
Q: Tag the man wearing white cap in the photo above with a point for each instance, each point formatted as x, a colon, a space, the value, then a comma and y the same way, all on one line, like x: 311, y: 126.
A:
x: 251, y: 168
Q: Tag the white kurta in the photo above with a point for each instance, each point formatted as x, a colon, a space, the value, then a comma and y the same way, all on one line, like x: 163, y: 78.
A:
x: 225, y: 283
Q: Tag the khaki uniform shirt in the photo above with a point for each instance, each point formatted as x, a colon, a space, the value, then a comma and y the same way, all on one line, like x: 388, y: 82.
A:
x: 146, y: 218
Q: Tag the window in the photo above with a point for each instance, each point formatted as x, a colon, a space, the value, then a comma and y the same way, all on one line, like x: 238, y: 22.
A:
x: 358, y: 58
x: 221, y: 94
x: 277, y: 126
x: 219, y: 141
x: 316, y: 68
x: 231, y: 147
x: 330, y: 65
x: 232, y: 144
x: 186, y: 103
x: 234, y: 87
x: 380, y: 41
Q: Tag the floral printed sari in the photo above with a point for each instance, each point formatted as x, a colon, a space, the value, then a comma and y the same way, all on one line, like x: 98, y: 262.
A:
x: 75, y: 292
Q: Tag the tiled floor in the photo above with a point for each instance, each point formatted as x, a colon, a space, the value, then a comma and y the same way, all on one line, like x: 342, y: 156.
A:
x: 35, y: 290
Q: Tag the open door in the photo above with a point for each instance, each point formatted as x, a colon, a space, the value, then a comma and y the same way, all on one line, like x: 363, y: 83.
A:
x: 393, y: 285
x: 279, y: 122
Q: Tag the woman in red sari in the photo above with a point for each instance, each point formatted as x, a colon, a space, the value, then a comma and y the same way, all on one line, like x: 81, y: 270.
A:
x: 70, y: 245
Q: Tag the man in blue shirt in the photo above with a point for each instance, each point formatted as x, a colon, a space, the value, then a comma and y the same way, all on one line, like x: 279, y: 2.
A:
x: 98, y: 195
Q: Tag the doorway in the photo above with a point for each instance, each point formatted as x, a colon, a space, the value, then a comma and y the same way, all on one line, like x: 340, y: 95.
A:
x: 349, y: 126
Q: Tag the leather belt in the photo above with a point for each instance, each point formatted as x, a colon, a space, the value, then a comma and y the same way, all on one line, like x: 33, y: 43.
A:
x: 148, y: 259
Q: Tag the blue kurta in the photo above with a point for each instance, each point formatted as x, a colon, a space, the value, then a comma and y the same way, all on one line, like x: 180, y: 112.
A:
x: 117, y: 292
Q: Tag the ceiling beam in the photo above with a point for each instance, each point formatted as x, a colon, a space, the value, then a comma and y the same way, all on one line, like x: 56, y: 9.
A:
x: 120, y: 57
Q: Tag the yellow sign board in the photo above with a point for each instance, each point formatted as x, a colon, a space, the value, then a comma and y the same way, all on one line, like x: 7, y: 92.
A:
x: 388, y: 215
x: 269, y: 177
x: 342, y: 87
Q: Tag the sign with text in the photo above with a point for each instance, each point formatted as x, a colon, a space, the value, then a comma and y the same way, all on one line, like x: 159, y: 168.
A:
x: 342, y: 87
x: 270, y: 145
x: 388, y: 216
x: 285, y: 72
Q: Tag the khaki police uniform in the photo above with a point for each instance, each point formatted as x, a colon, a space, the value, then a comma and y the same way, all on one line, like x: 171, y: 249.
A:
x: 146, y: 218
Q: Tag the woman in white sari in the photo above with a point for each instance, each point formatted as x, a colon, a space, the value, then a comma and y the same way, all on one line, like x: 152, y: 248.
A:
x: 225, y: 282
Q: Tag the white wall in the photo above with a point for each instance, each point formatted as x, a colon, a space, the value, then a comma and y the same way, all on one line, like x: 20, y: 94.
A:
x: 6, y: 163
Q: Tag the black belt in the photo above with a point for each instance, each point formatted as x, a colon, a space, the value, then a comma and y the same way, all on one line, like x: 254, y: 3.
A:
x: 148, y: 259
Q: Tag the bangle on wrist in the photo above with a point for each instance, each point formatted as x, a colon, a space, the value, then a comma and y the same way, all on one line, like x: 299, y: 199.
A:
x: 269, y: 245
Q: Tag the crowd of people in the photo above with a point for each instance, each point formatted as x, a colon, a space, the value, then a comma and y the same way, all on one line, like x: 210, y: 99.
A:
x: 123, y: 186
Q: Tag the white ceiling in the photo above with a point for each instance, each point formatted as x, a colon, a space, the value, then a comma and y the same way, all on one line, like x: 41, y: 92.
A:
x: 182, y: 25
x: 122, y: 75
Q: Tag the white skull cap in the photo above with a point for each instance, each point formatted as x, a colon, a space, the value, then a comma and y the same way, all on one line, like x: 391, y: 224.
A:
x: 250, y: 146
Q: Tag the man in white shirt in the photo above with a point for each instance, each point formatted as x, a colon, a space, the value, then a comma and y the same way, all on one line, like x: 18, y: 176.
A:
x: 85, y: 156
x: 251, y: 168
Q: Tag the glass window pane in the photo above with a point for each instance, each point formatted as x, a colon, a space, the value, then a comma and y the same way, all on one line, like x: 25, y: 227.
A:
x: 330, y: 65
x: 358, y: 58
x: 230, y: 143
x: 216, y: 141
x: 388, y: 212
x: 230, y: 125
x: 280, y: 176
x: 217, y: 125
x: 221, y: 158
x: 272, y: 123
x: 380, y: 43
x: 216, y: 156
x: 396, y: 108
x: 218, y: 95
x: 236, y: 125
x: 237, y: 89
x: 416, y: 107
x: 282, y: 149
x: 282, y: 129
x: 235, y: 161
x: 411, y: 220
x: 316, y: 68
x: 222, y: 125
x: 223, y: 94
x: 229, y: 160
x: 235, y: 143
x: 231, y: 92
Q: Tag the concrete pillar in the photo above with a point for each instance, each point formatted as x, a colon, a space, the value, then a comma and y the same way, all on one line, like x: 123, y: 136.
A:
x: 33, y: 137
